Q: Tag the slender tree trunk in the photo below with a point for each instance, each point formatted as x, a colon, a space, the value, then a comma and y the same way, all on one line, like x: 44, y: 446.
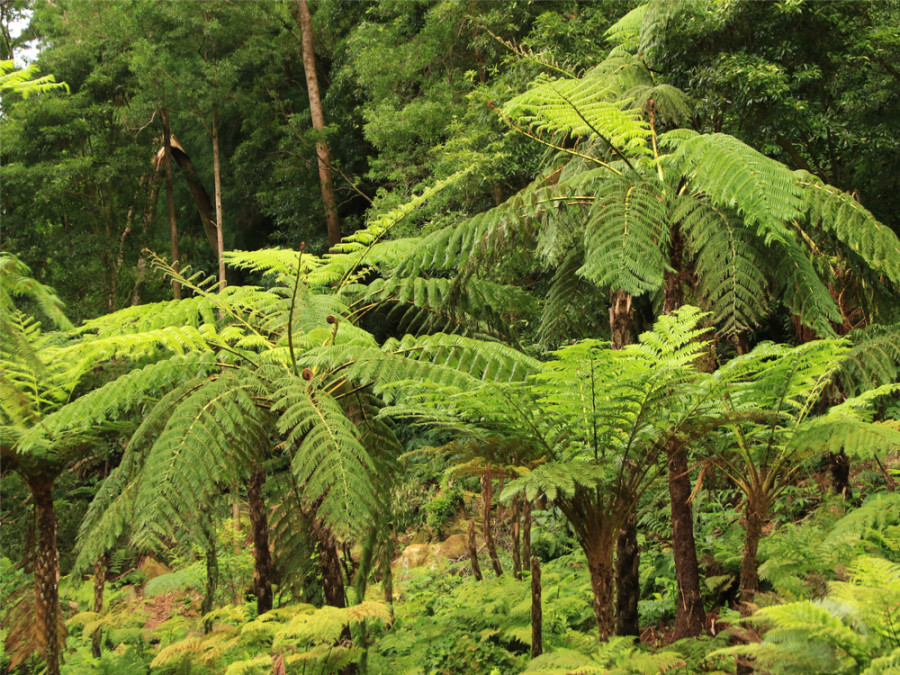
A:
x: 217, y: 178
x: 46, y: 573
x: 526, y: 529
x: 690, y: 618
x: 516, y: 552
x: 99, y: 585
x: 170, y: 200
x: 198, y: 192
x: 259, y: 526
x: 839, y: 467
x: 537, y: 615
x: 318, y: 121
x: 628, y: 586
x: 486, y: 499
x: 472, y: 546
x: 753, y: 515
x: 212, y: 581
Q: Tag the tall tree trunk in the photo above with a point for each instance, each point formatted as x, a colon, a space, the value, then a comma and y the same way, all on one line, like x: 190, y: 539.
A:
x: 46, y: 573
x: 217, y: 179
x: 516, y: 552
x: 472, y: 546
x: 621, y: 319
x: 628, y: 587
x: 526, y: 529
x: 537, y: 614
x: 99, y: 585
x: 486, y: 499
x: 170, y: 200
x: 754, y: 521
x: 259, y: 526
x: 690, y: 618
x: 318, y: 121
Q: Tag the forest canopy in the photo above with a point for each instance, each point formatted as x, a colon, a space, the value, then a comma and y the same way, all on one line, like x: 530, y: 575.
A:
x: 449, y: 336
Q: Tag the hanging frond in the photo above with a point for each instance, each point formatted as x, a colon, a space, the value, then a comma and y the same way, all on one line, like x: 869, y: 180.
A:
x: 328, y: 459
x: 564, y: 313
x: 873, y: 360
x: 730, y: 270
x: 803, y: 291
x: 626, y: 235
x: 16, y: 282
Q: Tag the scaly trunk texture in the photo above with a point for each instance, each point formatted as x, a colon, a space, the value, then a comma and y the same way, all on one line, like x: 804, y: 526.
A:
x: 599, y: 555
x: 517, y: 560
x: 537, y: 615
x: 318, y: 121
x: 217, y: 180
x: 526, y: 530
x: 628, y: 580
x: 46, y: 573
x: 690, y: 618
x: 839, y: 467
x: 620, y: 319
x: 486, y: 499
x: 330, y: 566
x: 170, y: 199
x: 749, y: 565
x: 99, y: 585
x: 473, y: 550
x: 259, y: 527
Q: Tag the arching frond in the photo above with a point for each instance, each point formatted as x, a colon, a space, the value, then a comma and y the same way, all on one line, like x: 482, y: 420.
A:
x: 803, y: 292
x: 733, y: 175
x: 16, y: 282
x: 873, y: 360
x: 212, y: 433
x: 837, y: 212
x: 586, y: 107
x: 565, y: 312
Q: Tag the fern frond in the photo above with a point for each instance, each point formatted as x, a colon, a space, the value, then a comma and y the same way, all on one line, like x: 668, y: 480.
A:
x: 873, y: 360
x: 563, y: 314
x: 16, y: 282
x: 837, y: 212
x: 626, y: 236
x: 730, y: 269
x: 803, y: 292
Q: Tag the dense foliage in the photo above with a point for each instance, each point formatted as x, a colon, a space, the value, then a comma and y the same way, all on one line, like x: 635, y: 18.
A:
x: 615, y: 314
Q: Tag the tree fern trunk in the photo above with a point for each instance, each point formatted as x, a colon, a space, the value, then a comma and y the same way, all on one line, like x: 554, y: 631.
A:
x: 690, y: 617
x: 473, y: 551
x: 217, y: 185
x: 526, y: 530
x: 46, y: 573
x: 537, y: 613
x: 628, y: 587
x: 212, y: 581
x: 259, y: 525
x: 99, y: 585
x: 486, y: 499
x: 329, y: 566
x: 599, y: 553
x: 754, y: 521
x: 516, y: 552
